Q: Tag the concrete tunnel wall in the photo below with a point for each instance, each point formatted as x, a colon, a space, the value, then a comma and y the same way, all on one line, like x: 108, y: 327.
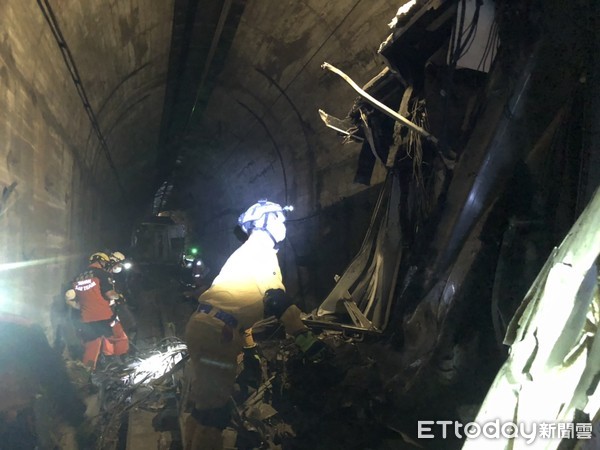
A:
x: 288, y: 50
x: 58, y: 197
x: 236, y: 159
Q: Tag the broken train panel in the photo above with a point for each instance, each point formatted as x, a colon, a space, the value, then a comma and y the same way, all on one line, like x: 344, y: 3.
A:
x: 482, y: 194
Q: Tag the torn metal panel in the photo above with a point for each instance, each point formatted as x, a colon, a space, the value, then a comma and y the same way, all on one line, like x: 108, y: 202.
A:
x: 429, y: 330
x: 420, y: 33
x: 554, y: 341
x: 366, y: 123
x: 483, y: 172
x: 366, y: 288
x: 377, y: 104
x: 500, y: 123
x: 517, y: 252
x: 367, y: 98
x: 480, y: 32
x: 345, y: 127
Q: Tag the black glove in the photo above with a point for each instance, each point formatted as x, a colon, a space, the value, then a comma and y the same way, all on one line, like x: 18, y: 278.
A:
x: 252, y: 373
x: 314, y: 349
x: 276, y: 302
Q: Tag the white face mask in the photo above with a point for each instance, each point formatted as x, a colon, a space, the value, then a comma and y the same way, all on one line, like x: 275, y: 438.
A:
x: 277, y: 230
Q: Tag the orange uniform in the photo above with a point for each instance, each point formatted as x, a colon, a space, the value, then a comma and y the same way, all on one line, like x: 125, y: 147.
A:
x: 100, y: 328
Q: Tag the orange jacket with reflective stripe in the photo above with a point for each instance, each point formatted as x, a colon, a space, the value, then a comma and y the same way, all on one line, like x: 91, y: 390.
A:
x: 90, y: 287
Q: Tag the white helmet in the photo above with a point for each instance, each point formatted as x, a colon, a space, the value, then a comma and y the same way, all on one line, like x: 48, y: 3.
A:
x: 99, y: 257
x: 264, y: 215
x: 116, y: 258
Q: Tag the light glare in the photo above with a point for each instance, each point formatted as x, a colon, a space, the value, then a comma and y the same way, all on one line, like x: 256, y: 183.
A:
x: 155, y: 366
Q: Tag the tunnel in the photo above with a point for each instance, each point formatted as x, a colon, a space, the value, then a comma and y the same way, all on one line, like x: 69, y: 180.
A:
x: 436, y: 163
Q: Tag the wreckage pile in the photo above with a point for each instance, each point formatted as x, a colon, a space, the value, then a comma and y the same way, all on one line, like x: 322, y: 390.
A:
x: 149, y: 380
x: 339, y: 403
x: 335, y: 404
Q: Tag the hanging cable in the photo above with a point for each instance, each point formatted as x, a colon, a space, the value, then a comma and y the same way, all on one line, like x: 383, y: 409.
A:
x: 275, y: 147
x: 72, y: 68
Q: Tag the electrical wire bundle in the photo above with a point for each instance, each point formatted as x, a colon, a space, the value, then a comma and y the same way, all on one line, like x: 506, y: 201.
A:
x: 135, y: 384
x: 462, y: 38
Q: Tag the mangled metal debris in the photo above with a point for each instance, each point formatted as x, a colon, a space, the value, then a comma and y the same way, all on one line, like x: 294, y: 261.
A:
x: 334, y: 404
x: 509, y: 158
x: 384, y: 108
x: 151, y: 367
x: 118, y: 389
x: 366, y: 289
x: 554, y: 341
x: 345, y: 127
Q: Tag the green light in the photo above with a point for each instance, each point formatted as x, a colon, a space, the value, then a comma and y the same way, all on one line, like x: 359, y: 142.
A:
x: 193, y: 251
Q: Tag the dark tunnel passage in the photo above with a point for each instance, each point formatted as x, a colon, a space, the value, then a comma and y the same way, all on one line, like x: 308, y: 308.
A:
x: 431, y: 170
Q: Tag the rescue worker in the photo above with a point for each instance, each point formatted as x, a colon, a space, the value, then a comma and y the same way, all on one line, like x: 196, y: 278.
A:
x: 94, y: 295
x: 121, y: 306
x: 248, y: 288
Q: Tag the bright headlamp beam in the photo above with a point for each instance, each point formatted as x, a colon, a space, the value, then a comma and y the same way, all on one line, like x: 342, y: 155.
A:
x: 36, y: 262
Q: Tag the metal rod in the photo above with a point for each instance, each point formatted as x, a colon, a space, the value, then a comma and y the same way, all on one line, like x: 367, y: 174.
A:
x: 383, y: 108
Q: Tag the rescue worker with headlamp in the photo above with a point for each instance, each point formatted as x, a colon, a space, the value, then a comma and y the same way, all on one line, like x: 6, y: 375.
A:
x: 248, y: 288
x: 94, y: 295
x: 119, y: 267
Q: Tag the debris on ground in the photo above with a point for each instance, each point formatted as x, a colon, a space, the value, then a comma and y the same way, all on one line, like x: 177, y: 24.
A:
x: 292, y: 404
x: 334, y: 404
x: 149, y: 381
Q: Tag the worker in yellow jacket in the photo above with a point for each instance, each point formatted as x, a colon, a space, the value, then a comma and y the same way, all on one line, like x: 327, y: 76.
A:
x: 248, y: 289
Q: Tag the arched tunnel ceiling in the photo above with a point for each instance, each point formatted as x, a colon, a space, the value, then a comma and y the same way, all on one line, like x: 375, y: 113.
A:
x: 220, y: 98
x: 255, y: 130
x: 91, y: 91
x: 119, y: 50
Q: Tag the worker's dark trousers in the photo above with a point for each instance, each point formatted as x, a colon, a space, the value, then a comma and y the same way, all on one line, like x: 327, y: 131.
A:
x: 213, y: 354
